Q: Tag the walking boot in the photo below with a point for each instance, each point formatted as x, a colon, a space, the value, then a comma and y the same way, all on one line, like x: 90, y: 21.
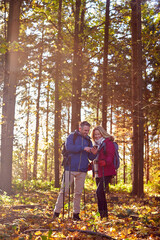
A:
x: 76, y: 217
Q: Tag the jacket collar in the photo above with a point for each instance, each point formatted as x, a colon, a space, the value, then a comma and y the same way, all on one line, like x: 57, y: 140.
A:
x: 78, y: 133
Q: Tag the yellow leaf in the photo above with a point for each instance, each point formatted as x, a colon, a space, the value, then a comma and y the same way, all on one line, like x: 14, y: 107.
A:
x: 123, y: 236
x: 84, y: 228
x: 38, y: 233
x: 129, y: 230
x: 112, y: 229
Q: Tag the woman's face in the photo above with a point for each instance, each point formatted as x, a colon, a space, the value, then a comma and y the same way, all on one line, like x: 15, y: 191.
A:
x: 97, y: 134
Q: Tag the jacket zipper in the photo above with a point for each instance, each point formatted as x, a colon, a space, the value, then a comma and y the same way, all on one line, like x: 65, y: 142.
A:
x: 80, y: 157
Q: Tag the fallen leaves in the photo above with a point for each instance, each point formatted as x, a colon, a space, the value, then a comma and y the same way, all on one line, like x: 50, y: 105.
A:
x: 129, y: 218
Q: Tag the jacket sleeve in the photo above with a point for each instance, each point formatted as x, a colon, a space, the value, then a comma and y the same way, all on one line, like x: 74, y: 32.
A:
x: 91, y: 156
x: 73, y: 148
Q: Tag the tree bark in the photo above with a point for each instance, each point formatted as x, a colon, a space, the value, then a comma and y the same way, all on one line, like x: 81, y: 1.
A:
x: 25, y: 170
x: 124, y: 149
x: 147, y: 155
x: 140, y: 105
x: 9, y: 97
x: 137, y: 113
x: 111, y: 122
x: 46, y: 150
x: 105, y: 68
x: 57, y: 127
x: 134, y: 97
x: 76, y: 78
x: 158, y: 147
x: 37, y: 113
x: 68, y: 119
x: 80, y: 61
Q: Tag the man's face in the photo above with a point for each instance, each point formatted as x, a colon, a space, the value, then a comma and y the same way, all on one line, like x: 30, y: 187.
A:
x: 84, y: 131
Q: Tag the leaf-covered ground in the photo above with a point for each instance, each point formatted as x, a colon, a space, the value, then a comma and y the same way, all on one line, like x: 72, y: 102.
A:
x: 28, y: 215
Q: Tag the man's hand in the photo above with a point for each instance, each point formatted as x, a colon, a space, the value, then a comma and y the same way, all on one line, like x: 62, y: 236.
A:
x: 91, y: 150
x: 87, y: 149
x: 102, y: 163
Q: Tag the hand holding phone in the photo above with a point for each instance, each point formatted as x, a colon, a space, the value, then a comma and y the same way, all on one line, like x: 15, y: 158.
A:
x: 95, y: 146
x: 94, y: 150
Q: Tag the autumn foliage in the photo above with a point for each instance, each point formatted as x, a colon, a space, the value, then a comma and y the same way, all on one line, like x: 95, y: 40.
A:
x: 28, y: 215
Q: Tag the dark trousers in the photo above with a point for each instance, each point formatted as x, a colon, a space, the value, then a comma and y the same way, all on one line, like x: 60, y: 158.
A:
x: 102, y: 183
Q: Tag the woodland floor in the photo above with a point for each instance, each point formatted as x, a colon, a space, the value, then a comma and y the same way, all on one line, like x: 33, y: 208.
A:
x: 28, y: 215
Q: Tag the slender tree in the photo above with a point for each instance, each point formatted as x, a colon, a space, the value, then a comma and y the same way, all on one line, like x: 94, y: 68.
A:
x: 137, y: 113
x: 80, y: 70
x: 76, y: 72
x: 147, y: 154
x: 9, y: 95
x: 38, y: 111
x: 124, y: 149
x: 140, y: 104
x: 47, y: 128
x: 105, y: 67
x: 25, y: 169
x: 57, y: 127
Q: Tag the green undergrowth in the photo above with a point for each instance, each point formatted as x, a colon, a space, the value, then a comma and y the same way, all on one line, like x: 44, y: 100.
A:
x: 20, y: 186
x: 152, y: 188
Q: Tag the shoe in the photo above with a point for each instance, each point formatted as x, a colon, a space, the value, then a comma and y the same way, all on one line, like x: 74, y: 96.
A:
x: 55, y: 215
x: 76, y: 217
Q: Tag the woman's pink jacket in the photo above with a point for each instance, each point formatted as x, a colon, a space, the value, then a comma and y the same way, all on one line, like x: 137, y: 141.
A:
x: 109, y: 168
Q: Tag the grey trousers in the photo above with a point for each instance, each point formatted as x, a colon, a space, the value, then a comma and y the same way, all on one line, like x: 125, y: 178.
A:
x: 79, y: 179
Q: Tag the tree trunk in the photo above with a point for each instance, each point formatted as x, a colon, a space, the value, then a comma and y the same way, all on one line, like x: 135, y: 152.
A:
x: 97, y: 112
x: 105, y: 68
x: 25, y: 170
x: 137, y: 113
x: 140, y: 104
x: 147, y: 165
x: 147, y: 154
x: 158, y: 147
x: 134, y: 97
x: 57, y: 127
x: 37, y: 113
x: 124, y: 149
x: 76, y: 78
x: 46, y: 150
x: 98, y: 83
x: 9, y: 97
x: 68, y: 119
x: 111, y: 122
x: 80, y: 62
x: 51, y: 166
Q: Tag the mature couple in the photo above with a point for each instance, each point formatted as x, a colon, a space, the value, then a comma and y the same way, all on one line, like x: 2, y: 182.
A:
x: 80, y: 150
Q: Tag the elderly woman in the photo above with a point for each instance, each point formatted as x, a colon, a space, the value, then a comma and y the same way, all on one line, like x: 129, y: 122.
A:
x: 103, y: 166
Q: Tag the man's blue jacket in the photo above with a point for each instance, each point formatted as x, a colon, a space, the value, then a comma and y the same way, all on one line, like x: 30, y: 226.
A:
x: 78, y: 157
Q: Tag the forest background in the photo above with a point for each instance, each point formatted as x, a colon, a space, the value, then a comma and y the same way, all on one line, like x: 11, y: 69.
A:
x: 66, y: 61
x: 62, y: 61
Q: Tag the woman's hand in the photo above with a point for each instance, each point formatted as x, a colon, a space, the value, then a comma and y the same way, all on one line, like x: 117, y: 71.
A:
x: 91, y: 150
x: 94, y: 150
